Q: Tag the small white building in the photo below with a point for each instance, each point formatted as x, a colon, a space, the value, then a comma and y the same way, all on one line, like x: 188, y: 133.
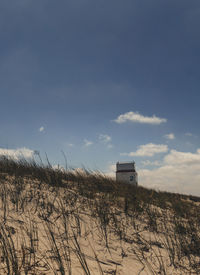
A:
x: 125, y: 172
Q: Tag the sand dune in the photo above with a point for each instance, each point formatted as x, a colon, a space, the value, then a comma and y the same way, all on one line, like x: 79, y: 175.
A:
x: 88, y: 224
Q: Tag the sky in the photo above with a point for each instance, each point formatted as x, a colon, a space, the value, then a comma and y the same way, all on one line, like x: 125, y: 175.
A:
x: 101, y: 82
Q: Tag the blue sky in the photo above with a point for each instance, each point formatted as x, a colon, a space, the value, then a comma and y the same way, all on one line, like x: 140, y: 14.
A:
x: 104, y: 81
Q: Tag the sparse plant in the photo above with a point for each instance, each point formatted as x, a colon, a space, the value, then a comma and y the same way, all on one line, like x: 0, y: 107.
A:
x: 50, y: 217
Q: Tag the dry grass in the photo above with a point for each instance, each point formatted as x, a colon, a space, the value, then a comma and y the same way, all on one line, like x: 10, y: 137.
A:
x: 66, y: 222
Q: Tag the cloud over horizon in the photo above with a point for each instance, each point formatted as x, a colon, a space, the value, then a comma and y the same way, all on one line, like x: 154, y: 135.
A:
x: 138, y: 118
x: 149, y: 150
x: 179, y: 173
x: 151, y: 163
x: 17, y: 154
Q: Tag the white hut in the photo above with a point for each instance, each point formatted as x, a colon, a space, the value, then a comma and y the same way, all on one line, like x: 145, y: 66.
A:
x: 125, y: 172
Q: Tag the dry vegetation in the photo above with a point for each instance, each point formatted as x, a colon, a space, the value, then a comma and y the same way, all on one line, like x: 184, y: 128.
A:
x: 66, y: 222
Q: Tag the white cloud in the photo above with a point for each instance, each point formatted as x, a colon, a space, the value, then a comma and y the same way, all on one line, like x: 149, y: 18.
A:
x: 111, y: 170
x: 188, y: 134
x: 186, y: 158
x: 87, y: 143
x: 70, y: 144
x: 170, y: 136
x: 41, y: 129
x: 17, y: 154
x: 104, y: 138
x: 149, y: 150
x: 179, y: 173
x: 110, y: 146
x: 138, y: 118
x: 151, y: 163
x: 58, y: 167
